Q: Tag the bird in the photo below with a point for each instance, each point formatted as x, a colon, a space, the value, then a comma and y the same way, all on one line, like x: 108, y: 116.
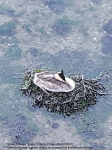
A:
x: 53, y: 81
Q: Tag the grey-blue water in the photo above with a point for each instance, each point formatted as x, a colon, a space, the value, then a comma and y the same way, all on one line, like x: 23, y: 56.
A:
x: 72, y: 35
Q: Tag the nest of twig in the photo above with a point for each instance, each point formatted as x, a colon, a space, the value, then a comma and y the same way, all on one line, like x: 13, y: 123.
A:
x: 85, y: 94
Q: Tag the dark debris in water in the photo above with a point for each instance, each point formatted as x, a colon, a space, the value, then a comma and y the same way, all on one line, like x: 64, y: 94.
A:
x: 55, y: 125
x: 21, y: 131
x: 108, y: 27
x: 21, y: 134
x: 85, y: 94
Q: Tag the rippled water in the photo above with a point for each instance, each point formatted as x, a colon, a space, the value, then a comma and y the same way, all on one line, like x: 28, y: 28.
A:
x: 55, y: 34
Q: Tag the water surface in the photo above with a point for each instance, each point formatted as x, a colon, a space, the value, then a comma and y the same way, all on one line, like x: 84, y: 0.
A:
x: 55, y: 34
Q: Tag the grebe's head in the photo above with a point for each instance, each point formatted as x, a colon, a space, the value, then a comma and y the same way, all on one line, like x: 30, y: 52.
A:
x: 61, y: 74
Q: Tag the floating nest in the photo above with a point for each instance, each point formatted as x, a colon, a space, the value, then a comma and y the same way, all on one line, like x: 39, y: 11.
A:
x: 85, y: 94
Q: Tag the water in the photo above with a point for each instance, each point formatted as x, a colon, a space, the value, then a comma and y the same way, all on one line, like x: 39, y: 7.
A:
x: 55, y: 34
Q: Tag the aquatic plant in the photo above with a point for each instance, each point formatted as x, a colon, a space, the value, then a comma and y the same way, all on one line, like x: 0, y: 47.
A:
x: 7, y: 28
x: 27, y: 28
x: 19, y: 119
x: 14, y: 52
x: 56, y: 6
x: 5, y: 9
x: 64, y: 25
x: 85, y: 94
x: 61, y: 28
x: 107, y: 44
x: 108, y: 27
